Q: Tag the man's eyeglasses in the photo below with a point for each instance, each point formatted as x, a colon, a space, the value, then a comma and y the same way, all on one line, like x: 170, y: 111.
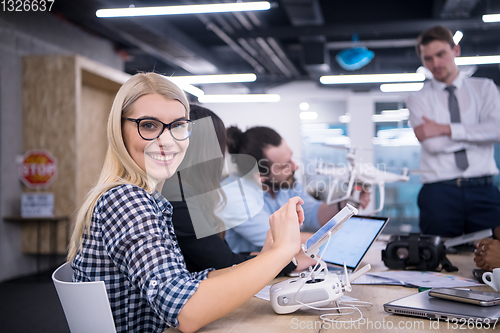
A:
x: 151, y: 128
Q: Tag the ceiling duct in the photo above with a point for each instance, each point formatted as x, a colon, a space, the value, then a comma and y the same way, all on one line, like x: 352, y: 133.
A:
x: 457, y: 9
x: 315, y: 55
x: 303, y: 12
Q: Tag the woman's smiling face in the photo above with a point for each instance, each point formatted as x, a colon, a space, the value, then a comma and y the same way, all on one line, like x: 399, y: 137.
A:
x: 161, y: 157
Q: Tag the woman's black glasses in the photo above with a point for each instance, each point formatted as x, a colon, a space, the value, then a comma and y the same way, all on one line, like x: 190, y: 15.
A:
x: 151, y: 128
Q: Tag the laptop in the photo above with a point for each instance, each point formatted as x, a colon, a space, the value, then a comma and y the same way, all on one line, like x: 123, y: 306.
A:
x: 422, y: 305
x: 351, y: 243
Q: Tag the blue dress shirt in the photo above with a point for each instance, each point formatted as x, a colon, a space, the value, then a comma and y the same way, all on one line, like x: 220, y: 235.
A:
x: 248, y: 210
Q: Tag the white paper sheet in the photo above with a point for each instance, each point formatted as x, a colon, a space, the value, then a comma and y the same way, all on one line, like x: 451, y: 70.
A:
x: 428, y: 279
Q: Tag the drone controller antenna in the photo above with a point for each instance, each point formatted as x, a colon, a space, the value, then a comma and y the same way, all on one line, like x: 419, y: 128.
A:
x: 347, y: 285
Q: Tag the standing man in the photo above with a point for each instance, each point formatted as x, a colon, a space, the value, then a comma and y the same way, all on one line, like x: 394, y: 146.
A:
x: 277, y: 182
x: 457, y: 121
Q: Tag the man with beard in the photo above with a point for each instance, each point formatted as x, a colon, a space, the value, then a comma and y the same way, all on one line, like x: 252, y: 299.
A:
x: 457, y: 121
x: 276, y: 170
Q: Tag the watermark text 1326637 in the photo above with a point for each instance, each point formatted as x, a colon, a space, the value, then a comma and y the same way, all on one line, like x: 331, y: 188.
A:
x: 26, y: 5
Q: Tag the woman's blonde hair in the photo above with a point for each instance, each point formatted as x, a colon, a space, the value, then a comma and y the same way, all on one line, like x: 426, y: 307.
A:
x: 119, y: 168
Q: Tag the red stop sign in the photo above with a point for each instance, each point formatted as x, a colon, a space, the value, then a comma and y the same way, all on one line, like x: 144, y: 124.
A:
x: 38, y: 169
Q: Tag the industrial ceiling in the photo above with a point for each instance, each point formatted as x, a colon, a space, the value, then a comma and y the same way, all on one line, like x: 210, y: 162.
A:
x: 294, y: 40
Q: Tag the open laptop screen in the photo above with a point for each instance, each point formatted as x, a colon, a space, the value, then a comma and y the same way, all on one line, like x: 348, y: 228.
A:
x: 353, y: 240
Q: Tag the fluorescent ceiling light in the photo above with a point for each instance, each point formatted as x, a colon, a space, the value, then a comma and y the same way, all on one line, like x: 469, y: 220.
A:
x: 186, y: 9
x: 401, y: 87
x: 239, y: 98
x: 304, y: 106
x: 308, y: 115
x: 491, y: 18
x: 220, y: 78
x: 197, y: 92
x: 385, y: 118
x: 479, y: 60
x: 323, y: 133
x: 391, y: 116
x: 314, y: 127
x: 346, y: 118
x: 457, y: 37
x: 404, y: 112
x: 372, y: 78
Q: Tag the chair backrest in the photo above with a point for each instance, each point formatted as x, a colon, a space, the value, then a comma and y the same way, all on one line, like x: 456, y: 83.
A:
x: 85, y: 304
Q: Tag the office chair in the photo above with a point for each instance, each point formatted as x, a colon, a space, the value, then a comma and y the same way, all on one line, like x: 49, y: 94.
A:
x: 85, y: 304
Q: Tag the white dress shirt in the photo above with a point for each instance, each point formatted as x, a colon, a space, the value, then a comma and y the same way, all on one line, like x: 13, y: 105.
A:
x: 479, y: 104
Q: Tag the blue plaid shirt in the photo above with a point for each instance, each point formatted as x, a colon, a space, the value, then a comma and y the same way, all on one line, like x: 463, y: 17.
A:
x: 131, y: 246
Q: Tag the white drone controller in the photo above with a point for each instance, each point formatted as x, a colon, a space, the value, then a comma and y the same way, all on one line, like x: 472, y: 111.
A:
x: 315, y: 288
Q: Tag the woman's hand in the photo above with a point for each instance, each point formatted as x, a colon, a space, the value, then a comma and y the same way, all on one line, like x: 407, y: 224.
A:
x: 285, y: 226
x: 268, y: 243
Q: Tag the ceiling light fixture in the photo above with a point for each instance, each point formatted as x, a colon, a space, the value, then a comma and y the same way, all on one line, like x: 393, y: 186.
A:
x: 309, y: 115
x: 197, y: 92
x: 240, y: 98
x: 457, y: 37
x: 391, y: 116
x: 490, y: 18
x: 401, y: 87
x: 401, y: 112
x: 219, y: 78
x: 186, y: 9
x: 478, y: 60
x: 372, y: 78
x: 304, y: 106
x: 345, y: 118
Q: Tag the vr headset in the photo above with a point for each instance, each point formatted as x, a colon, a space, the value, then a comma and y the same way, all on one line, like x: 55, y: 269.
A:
x: 418, y: 252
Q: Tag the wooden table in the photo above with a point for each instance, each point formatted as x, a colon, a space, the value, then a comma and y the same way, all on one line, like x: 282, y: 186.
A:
x: 257, y: 315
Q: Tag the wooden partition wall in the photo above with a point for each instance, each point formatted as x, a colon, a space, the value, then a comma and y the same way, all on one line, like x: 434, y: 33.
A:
x: 66, y: 103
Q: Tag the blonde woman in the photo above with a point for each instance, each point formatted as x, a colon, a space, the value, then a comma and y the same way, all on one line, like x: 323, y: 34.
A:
x: 124, y: 234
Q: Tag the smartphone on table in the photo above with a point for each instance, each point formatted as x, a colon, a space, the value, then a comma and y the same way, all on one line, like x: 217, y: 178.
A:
x: 466, y: 296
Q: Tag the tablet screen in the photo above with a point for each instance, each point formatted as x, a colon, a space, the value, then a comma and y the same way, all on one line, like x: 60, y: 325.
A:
x: 351, y: 242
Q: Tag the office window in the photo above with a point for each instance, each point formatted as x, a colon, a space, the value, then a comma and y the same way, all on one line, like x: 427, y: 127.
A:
x: 396, y: 149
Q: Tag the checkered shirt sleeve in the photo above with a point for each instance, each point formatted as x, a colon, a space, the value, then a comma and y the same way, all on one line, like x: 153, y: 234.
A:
x: 132, y: 247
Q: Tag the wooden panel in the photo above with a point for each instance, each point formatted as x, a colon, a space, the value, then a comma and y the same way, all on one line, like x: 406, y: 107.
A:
x: 52, y: 236
x: 29, y: 242
x: 66, y: 103
x: 91, y: 137
x: 49, y: 102
x: 99, y: 82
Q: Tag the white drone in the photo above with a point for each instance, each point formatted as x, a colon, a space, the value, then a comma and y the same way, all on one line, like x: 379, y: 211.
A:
x: 355, y: 175
x: 317, y: 288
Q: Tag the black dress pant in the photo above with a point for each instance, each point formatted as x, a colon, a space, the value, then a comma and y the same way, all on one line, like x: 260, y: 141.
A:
x: 449, y: 211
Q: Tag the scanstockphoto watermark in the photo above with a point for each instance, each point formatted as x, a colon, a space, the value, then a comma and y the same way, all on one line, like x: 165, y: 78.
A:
x: 312, y: 167
x: 363, y: 324
x: 366, y: 324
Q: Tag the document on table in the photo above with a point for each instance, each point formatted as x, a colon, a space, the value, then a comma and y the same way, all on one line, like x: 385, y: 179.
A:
x: 428, y: 279
x: 372, y: 279
x: 264, y: 294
